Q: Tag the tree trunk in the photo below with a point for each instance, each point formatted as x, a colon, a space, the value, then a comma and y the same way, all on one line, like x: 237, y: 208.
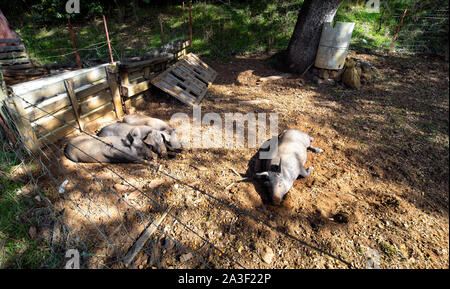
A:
x: 302, y: 49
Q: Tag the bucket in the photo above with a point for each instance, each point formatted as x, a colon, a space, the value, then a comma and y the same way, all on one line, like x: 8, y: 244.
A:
x: 333, y: 46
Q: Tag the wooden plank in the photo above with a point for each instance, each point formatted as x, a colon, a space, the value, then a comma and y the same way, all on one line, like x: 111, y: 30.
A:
x: 58, y: 102
x: 187, y: 80
x: 94, y: 102
x: 14, y: 61
x: 27, y: 134
x: 67, y: 129
x: 105, y: 118
x: 143, y: 238
x: 49, y: 123
x: 59, y: 133
x: 137, y: 100
x: 12, y: 55
x: 134, y: 89
x: 187, y: 84
x: 176, y: 92
x: 12, y: 48
x: 10, y: 40
x: 190, y: 81
x: 91, y: 89
x: 73, y: 99
x: 98, y: 112
x: 18, y: 66
x: 53, y: 85
x: 127, y: 65
x: 113, y: 82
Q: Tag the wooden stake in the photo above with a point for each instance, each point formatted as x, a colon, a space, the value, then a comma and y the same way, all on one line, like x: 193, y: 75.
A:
x: 184, y: 23
x: 162, y: 30
x: 112, y: 77
x: 107, y: 39
x: 398, y: 30
x: 190, y: 25
x: 73, y: 100
x: 74, y: 44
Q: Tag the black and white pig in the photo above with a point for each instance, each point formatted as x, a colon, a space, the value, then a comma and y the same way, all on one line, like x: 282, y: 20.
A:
x: 283, y: 166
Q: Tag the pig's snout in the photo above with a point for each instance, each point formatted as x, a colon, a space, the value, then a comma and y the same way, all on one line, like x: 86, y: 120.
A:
x: 276, y: 200
x: 278, y: 192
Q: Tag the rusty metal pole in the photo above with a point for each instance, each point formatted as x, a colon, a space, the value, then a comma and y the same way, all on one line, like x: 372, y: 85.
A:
x: 74, y: 44
x: 190, y: 26
x: 107, y: 39
x: 184, y: 23
x: 398, y: 30
x: 162, y: 30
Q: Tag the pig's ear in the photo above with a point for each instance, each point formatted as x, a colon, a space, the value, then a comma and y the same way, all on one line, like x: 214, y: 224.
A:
x: 262, y: 175
x: 165, y: 136
x: 133, y: 135
x: 149, y: 140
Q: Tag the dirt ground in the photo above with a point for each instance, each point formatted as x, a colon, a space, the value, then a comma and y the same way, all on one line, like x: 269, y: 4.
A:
x: 378, y: 195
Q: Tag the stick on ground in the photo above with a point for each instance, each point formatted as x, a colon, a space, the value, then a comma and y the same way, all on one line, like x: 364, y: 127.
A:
x: 140, y: 242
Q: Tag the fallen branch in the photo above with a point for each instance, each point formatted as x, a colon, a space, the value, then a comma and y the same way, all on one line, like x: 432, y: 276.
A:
x: 235, y: 172
x: 143, y: 238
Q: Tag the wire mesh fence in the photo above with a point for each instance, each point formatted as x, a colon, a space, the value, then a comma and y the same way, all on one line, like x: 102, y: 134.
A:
x: 115, y: 219
x: 425, y: 32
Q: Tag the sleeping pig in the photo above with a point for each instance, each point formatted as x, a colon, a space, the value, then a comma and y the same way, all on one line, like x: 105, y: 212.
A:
x: 173, y: 143
x: 151, y: 137
x: 109, y: 149
x: 286, y: 164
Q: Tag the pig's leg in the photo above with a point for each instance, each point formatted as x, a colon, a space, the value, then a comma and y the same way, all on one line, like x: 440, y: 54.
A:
x: 305, y: 172
x: 315, y: 150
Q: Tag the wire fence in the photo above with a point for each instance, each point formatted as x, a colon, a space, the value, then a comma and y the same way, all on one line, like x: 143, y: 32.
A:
x: 110, y: 228
x: 422, y: 32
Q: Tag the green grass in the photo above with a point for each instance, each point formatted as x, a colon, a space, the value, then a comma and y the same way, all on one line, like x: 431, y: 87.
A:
x: 17, y: 249
x: 219, y: 31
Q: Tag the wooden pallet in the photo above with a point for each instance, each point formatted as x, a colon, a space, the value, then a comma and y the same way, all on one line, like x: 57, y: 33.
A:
x: 187, y: 80
x: 14, y: 55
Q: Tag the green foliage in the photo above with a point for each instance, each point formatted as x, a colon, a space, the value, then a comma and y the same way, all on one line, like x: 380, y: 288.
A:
x: 17, y: 249
x: 220, y: 28
x: 52, y: 11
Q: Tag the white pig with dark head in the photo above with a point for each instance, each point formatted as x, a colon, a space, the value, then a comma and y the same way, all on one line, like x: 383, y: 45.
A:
x: 282, y: 166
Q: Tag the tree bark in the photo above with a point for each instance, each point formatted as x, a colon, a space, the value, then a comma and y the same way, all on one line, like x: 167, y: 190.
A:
x: 302, y: 49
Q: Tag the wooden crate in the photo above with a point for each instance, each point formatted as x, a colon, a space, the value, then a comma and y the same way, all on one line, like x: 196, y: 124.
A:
x: 187, y: 80
x: 14, y: 56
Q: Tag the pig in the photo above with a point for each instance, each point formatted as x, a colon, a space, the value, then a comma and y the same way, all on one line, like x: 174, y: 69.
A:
x: 283, y: 167
x: 151, y: 137
x: 173, y: 143
x: 109, y: 149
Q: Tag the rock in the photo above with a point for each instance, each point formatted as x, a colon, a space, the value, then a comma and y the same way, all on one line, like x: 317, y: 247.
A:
x: 329, y: 82
x: 336, y: 74
x: 318, y: 80
x: 267, y: 255
x: 323, y: 73
x: 351, y: 78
